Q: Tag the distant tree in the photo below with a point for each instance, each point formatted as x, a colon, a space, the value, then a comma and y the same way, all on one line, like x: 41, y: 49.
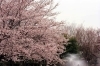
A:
x: 87, y: 40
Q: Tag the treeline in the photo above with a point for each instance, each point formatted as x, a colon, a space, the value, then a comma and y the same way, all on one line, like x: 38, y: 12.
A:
x: 88, y: 40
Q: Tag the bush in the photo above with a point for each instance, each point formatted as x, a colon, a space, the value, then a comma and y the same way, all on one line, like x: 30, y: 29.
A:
x: 71, y: 47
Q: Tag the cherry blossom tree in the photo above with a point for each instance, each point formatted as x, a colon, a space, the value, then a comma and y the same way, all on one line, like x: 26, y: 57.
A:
x: 88, y: 40
x: 14, y: 12
x: 28, y: 32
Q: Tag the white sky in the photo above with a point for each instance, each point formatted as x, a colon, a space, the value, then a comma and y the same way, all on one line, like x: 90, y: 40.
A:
x: 86, y: 12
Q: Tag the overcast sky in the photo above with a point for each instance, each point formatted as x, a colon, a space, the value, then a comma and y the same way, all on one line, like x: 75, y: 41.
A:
x: 86, y: 12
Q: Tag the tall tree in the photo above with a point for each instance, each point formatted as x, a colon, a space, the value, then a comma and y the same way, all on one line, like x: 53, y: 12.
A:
x: 28, y: 32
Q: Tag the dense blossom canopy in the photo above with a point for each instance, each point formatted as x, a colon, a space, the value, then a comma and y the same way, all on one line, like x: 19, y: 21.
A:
x: 27, y: 32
